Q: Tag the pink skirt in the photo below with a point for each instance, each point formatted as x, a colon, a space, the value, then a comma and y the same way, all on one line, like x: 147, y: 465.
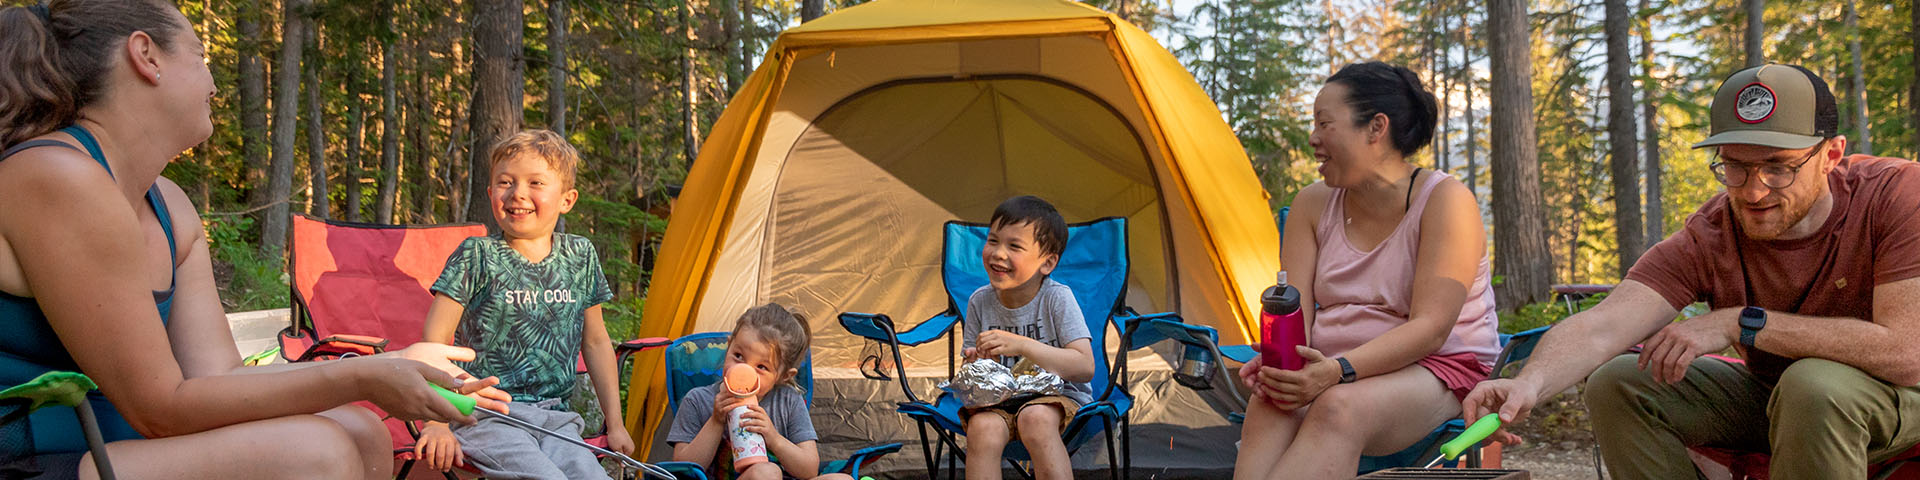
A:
x: 1458, y: 372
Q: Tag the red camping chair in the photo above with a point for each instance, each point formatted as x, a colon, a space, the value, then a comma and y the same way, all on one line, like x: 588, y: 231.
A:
x: 361, y: 289
x: 1720, y: 463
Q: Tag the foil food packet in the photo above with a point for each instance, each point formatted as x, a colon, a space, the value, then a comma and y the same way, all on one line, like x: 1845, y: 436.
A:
x: 984, y: 382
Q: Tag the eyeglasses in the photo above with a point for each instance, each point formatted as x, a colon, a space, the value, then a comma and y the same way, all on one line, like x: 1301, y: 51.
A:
x: 1773, y: 175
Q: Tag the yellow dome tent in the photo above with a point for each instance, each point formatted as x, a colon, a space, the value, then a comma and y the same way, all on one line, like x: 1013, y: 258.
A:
x: 824, y: 184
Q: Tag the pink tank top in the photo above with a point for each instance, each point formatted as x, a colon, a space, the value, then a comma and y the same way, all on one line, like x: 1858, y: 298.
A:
x: 1364, y: 294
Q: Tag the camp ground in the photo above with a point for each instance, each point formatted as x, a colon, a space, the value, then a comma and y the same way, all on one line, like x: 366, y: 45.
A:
x: 825, y: 183
x: 640, y: 174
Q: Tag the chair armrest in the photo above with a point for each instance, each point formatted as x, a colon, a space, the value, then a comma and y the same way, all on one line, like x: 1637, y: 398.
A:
x: 862, y: 457
x: 1145, y: 330
x: 625, y: 349
x: 685, y: 470
x: 880, y: 327
x: 336, y: 346
x: 1239, y: 353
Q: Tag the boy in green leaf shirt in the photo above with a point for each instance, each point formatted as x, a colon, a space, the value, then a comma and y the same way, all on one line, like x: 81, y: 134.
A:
x: 527, y: 300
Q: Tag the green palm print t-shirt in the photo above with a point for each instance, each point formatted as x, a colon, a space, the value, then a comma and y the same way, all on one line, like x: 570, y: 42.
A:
x: 523, y: 319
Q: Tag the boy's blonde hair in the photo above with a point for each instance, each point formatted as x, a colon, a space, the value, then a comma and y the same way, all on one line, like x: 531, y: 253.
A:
x: 787, y: 331
x: 542, y: 144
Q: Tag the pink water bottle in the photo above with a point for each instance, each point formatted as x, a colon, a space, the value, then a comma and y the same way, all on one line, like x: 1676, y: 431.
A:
x: 1282, y: 326
x: 749, y: 448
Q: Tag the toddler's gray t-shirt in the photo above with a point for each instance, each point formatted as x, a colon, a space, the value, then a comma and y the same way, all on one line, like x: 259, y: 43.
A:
x: 785, y: 406
x: 1052, y: 317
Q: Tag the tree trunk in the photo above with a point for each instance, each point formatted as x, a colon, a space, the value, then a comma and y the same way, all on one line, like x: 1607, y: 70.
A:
x: 286, y: 114
x: 733, y: 44
x: 1863, y: 138
x: 1756, y: 31
x: 812, y: 9
x: 316, y: 135
x: 253, y: 103
x: 418, y: 129
x: 499, y: 73
x: 557, y: 66
x: 1518, y: 215
x: 1650, y: 113
x: 1473, y: 140
x: 1913, y: 93
x: 1443, y: 149
x: 357, y: 110
x: 690, y: 131
x: 389, y: 128
x: 1624, y: 166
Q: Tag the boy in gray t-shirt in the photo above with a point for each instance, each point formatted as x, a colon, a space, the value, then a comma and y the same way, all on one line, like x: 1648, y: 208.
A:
x: 1022, y: 313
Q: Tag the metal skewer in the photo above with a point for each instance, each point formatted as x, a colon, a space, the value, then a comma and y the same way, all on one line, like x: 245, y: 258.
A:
x: 467, y: 405
x: 1473, y: 434
x: 651, y: 469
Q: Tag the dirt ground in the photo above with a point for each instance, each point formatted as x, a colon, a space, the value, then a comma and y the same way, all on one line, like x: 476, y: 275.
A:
x: 1559, y: 441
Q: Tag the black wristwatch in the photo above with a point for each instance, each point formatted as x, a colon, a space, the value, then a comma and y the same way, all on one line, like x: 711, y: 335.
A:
x: 1346, y: 370
x: 1752, y: 319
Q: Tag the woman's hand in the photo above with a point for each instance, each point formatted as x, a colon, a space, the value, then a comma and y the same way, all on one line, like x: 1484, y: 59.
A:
x: 441, y: 356
x: 401, y: 388
x: 1289, y: 389
x: 1249, y: 375
x: 438, y: 448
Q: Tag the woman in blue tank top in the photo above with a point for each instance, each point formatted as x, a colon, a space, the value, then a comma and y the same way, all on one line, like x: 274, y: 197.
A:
x: 99, y: 275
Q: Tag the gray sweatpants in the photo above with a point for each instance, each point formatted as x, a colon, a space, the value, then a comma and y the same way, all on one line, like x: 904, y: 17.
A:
x: 503, y: 451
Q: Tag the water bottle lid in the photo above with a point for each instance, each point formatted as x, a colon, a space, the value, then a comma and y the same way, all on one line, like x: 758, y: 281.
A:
x: 1280, y: 278
x: 741, y: 380
x: 1280, y: 299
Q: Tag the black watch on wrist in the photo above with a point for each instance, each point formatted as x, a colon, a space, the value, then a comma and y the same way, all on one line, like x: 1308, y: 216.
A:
x: 1346, y: 370
x: 1752, y: 319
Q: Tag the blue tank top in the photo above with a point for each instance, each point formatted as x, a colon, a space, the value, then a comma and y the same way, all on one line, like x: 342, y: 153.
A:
x: 28, y: 346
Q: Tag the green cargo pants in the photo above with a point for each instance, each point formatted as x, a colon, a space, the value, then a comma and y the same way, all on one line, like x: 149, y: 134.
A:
x: 1822, y: 420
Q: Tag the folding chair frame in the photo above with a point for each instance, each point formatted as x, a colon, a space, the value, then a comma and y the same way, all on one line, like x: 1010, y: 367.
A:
x: 694, y: 471
x: 880, y: 327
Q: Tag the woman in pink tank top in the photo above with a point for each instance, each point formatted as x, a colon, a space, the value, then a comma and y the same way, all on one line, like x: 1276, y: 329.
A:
x: 1392, y: 260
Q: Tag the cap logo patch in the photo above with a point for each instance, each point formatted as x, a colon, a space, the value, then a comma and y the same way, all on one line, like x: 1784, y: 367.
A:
x: 1754, y: 104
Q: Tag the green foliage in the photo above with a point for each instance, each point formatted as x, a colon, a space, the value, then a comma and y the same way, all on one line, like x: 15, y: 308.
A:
x: 1536, y: 315
x: 259, y: 281
x: 609, y: 224
x: 1257, y: 60
x: 1261, y: 61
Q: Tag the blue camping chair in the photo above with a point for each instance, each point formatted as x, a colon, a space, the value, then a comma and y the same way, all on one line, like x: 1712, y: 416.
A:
x: 1201, y: 344
x: 694, y: 361
x: 1093, y: 265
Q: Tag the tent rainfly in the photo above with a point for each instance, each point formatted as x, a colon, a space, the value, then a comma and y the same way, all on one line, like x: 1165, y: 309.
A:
x: 824, y: 184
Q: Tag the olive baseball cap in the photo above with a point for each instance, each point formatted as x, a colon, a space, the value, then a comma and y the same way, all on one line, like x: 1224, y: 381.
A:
x: 1779, y: 106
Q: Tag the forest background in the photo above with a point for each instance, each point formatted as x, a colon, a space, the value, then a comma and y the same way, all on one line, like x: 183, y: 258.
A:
x: 1570, y: 119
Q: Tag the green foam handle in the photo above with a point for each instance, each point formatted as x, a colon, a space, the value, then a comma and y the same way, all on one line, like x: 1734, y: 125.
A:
x: 1480, y: 429
x: 460, y: 402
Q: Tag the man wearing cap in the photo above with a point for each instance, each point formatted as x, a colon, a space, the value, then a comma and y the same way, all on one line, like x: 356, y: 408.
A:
x: 1810, y: 261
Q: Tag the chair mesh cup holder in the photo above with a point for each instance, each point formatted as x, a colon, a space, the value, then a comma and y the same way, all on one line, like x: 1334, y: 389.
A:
x: 872, y: 364
x: 1196, y: 368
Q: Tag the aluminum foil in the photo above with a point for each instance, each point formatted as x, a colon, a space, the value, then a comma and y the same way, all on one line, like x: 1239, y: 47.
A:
x: 984, y: 382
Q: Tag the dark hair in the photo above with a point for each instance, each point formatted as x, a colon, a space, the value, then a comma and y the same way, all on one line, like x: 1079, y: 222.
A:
x: 52, y: 66
x: 1049, y: 230
x: 787, y: 331
x: 1379, y: 88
